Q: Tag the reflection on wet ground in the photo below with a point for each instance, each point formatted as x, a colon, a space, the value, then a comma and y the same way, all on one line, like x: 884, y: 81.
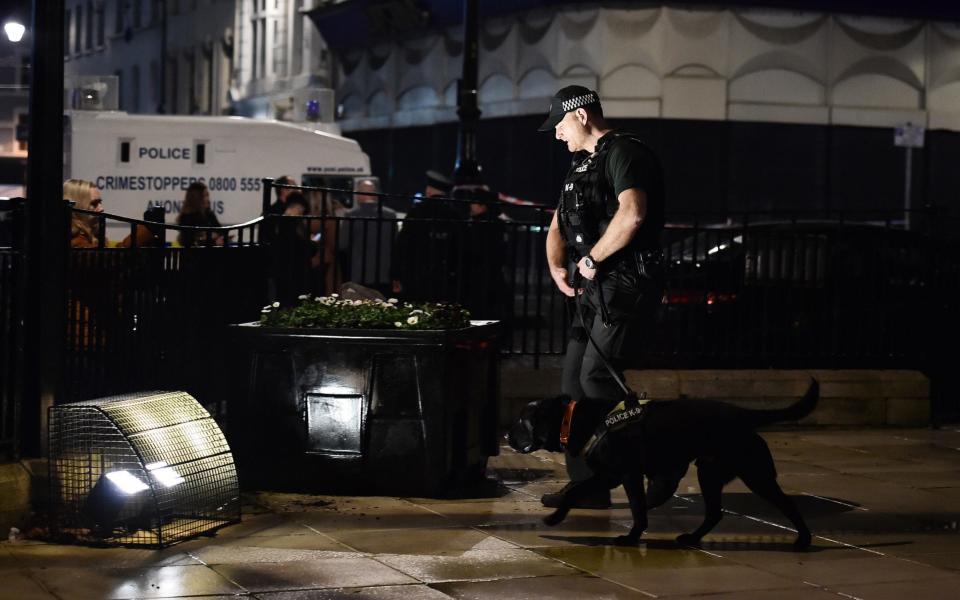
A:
x: 883, y: 505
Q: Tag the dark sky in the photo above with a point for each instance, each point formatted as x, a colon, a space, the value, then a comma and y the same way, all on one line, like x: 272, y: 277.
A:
x: 18, y: 9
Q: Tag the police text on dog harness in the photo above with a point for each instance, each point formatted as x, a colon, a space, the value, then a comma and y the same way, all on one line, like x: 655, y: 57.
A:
x: 618, y: 418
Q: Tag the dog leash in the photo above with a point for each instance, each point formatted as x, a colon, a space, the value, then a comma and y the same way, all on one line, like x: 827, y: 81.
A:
x: 631, y: 400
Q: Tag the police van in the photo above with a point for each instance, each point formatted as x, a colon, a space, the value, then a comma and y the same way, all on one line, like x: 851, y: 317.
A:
x: 141, y: 161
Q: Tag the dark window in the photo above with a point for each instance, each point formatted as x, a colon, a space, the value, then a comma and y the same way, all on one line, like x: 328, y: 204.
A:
x: 88, y: 33
x: 66, y: 33
x: 125, y: 152
x: 101, y: 25
x: 78, y: 32
x: 201, y: 154
x: 118, y: 16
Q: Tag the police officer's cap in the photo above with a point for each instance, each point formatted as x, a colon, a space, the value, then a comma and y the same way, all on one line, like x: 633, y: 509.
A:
x: 567, y: 99
x: 438, y: 180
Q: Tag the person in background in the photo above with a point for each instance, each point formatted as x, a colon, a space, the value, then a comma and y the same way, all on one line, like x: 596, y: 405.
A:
x: 425, y: 264
x: 280, y: 204
x: 324, y: 231
x: 484, y: 287
x: 196, y: 212
x: 295, y: 255
x: 271, y: 227
x: 366, y: 237
x: 437, y: 184
x: 84, y: 229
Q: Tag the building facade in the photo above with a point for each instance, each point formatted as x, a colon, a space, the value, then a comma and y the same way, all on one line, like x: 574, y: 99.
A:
x: 125, y: 38
x: 14, y: 95
x: 14, y: 111
x: 278, y: 54
x: 222, y: 56
x: 740, y: 64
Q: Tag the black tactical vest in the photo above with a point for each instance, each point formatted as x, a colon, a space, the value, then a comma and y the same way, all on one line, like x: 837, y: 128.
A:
x: 588, y: 202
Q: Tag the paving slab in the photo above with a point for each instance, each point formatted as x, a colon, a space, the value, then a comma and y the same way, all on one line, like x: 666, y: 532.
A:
x: 312, y: 574
x: 165, y: 582
x: 570, y: 587
x: 475, y: 565
x: 388, y: 592
x: 22, y: 587
x: 452, y: 541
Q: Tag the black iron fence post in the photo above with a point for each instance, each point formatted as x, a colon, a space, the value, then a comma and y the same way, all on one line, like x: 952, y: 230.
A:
x: 46, y: 250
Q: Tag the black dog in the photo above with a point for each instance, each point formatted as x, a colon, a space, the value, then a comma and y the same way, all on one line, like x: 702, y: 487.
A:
x: 660, y: 443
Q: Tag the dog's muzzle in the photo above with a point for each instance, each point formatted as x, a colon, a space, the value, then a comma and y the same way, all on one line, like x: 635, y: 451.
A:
x: 520, y: 437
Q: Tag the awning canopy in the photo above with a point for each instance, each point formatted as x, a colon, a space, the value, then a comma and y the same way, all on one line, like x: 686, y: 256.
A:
x: 348, y: 24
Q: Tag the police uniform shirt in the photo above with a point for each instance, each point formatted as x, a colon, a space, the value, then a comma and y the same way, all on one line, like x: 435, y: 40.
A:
x: 631, y: 164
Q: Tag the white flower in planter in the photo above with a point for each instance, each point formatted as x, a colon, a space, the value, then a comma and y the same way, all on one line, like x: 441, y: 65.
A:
x: 416, y: 312
x: 392, y: 300
x: 303, y: 297
x: 276, y: 305
x: 412, y: 320
x: 398, y: 324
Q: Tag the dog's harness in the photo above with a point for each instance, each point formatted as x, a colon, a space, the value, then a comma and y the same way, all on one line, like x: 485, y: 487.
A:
x: 622, y: 415
x: 618, y: 418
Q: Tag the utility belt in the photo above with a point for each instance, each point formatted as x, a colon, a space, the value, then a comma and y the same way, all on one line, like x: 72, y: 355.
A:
x: 647, y: 263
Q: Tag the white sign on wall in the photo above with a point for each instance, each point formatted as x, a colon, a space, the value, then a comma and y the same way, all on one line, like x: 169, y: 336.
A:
x: 908, y: 136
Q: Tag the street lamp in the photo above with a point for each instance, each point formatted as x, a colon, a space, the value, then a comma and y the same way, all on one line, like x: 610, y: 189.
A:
x: 14, y: 31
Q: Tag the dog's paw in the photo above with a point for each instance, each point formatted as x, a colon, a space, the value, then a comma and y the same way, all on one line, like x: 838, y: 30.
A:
x: 685, y: 539
x: 803, y: 541
x: 626, y: 540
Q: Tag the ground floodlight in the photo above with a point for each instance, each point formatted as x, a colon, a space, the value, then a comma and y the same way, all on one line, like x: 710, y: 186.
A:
x: 149, y: 469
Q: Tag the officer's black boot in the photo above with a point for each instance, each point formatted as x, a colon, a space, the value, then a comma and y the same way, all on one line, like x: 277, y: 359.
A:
x: 579, y: 471
x: 597, y: 500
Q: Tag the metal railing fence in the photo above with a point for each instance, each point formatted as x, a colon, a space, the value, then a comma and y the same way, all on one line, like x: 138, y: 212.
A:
x: 786, y: 290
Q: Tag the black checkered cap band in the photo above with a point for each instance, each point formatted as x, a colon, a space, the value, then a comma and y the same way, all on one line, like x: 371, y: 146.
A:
x: 575, y: 103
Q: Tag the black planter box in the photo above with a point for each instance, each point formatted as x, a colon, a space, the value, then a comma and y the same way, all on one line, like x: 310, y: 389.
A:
x: 366, y: 411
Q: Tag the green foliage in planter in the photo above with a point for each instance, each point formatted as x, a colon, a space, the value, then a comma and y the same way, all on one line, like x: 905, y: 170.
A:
x: 334, y: 312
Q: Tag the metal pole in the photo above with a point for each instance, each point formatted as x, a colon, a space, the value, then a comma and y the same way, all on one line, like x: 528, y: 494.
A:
x: 467, y: 169
x: 46, y: 243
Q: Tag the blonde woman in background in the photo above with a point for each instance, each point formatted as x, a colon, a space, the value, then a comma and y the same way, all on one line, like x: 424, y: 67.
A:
x: 84, y: 229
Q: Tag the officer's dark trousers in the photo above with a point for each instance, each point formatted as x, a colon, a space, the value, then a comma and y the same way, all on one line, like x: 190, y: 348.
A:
x: 631, y: 302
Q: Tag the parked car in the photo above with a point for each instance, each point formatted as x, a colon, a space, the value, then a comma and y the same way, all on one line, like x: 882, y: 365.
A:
x: 792, y: 289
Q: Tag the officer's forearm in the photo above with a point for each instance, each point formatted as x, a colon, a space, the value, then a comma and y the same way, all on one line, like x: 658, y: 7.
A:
x: 556, y: 249
x: 623, y: 226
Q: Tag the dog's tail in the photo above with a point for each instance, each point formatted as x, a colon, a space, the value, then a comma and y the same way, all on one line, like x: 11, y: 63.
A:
x: 796, y: 411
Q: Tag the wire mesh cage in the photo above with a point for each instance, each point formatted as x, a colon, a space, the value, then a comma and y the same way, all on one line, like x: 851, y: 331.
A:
x: 145, y: 469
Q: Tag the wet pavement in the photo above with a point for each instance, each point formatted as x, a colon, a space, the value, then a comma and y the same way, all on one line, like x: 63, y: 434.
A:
x: 884, y: 507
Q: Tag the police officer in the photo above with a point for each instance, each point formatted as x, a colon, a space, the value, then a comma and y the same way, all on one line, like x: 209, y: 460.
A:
x: 606, y: 230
